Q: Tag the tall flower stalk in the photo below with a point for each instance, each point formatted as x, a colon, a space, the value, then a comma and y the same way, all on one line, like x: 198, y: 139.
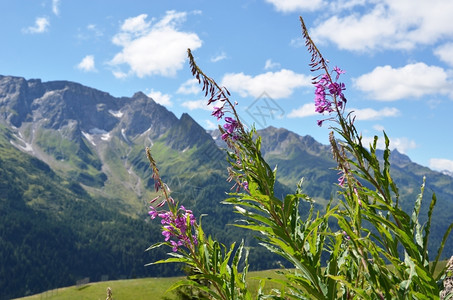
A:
x: 390, y: 233
x: 342, y: 253
x: 212, y: 267
x: 178, y: 223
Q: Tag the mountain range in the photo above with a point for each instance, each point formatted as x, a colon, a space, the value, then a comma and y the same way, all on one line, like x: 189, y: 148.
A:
x: 75, y: 183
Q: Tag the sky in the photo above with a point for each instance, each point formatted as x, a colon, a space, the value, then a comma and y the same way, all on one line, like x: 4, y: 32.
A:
x: 398, y: 58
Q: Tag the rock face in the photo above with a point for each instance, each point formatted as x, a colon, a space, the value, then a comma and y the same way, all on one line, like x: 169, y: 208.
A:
x: 74, y: 109
x: 59, y: 103
x: 92, y: 136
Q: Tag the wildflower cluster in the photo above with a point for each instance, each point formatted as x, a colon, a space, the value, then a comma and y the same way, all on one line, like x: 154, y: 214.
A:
x: 329, y: 95
x: 212, y: 268
x: 243, y: 142
x: 177, y: 223
x: 176, y: 227
x: 232, y: 129
x: 326, y: 87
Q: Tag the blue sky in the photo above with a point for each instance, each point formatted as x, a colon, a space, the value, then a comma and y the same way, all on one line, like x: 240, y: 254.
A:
x: 398, y: 57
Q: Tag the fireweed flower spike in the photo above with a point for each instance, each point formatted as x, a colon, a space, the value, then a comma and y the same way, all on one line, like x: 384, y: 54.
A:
x: 233, y: 128
x: 243, y: 143
x: 175, y: 227
x: 176, y: 221
x: 157, y: 181
x: 324, y: 89
x: 329, y: 95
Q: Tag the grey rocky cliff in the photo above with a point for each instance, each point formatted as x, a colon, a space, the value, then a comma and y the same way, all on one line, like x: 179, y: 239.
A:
x: 59, y: 104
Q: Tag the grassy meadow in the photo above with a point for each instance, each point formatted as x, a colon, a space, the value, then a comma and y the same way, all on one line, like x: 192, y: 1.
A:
x: 147, y: 288
x: 137, y: 289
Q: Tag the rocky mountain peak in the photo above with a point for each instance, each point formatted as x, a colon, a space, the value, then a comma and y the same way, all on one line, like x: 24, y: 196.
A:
x: 139, y: 95
x: 187, y: 133
x: 142, y: 113
x: 56, y: 104
x: 14, y: 99
x: 399, y: 158
x: 283, y: 141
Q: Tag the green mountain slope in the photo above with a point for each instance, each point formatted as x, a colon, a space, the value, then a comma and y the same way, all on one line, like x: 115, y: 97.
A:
x: 298, y: 156
x: 79, y: 184
x: 53, y: 233
x: 75, y: 183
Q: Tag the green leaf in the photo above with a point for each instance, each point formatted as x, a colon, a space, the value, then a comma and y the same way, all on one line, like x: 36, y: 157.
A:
x: 428, y: 228
x: 441, y: 248
x: 170, y: 260
x: 157, y: 245
x: 195, y: 285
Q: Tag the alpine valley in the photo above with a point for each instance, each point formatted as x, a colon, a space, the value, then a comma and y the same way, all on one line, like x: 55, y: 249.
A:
x: 75, y: 183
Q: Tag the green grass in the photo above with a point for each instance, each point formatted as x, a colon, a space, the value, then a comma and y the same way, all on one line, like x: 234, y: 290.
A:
x: 146, y: 288
x: 137, y: 289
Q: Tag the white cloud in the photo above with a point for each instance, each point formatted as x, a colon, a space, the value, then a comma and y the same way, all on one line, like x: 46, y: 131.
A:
x: 364, y: 114
x: 210, y: 125
x: 159, y: 97
x: 389, y: 24
x: 441, y: 164
x: 402, y: 144
x: 56, y: 7
x: 445, y: 52
x: 378, y: 127
x: 277, y: 85
x: 136, y: 24
x: 191, y: 86
x: 219, y: 57
x: 411, y: 81
x: 338, y: 5
x: 367, y: 114
x: 271, y: 65
x: 296, y: 5
x: 197, y: 104
x: 357, y: 32
x: 158, y: 49
x: 119, y: 74
x: 41, y: 25
x: 87, y: 64
x: 305, y: 110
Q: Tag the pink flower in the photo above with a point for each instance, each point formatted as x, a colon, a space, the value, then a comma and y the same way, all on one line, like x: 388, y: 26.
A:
x: 231, y: 125
x: 153, y: 213
x: 339, y: 72
x: 218, y: 112
x: 175, y: 227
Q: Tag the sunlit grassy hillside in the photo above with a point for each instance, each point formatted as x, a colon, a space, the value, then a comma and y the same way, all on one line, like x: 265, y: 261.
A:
x: 137, y: 289
x: 148, y: 288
